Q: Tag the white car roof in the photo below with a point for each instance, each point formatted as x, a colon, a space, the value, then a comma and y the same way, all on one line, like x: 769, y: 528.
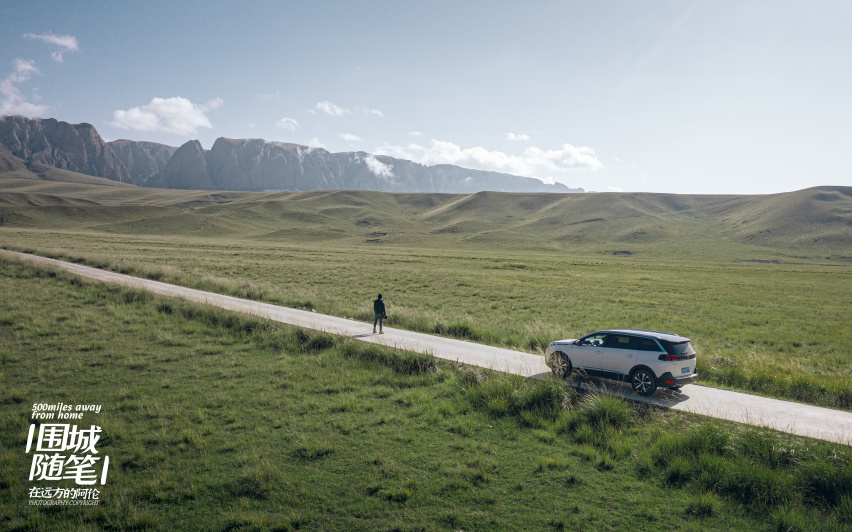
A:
x: 659, y: 335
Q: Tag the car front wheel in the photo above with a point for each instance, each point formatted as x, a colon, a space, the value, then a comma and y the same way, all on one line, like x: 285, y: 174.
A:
x: 643, y: 382
x: 562, y: 365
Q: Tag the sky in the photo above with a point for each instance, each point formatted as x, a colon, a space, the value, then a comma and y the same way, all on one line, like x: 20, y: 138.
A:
x: 690, y: 97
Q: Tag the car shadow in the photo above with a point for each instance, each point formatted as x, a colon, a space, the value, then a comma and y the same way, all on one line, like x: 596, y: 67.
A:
x: 665, y: 397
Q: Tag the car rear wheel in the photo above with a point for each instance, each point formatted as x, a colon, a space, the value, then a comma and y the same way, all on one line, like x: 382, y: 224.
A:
x: 643, y: 382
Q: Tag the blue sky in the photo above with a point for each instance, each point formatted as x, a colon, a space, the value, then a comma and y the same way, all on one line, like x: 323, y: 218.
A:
x: 715, y: 97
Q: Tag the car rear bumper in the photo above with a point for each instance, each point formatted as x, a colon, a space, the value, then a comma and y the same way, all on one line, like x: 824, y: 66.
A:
x: 667, y: 380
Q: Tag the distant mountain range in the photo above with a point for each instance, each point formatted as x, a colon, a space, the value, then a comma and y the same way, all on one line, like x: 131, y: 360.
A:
x: 241, y: 164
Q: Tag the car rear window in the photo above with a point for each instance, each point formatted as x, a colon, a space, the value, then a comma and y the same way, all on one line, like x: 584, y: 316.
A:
x: 677, y: 348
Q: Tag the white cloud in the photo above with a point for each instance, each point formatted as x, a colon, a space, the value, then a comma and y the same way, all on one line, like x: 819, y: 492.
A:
x: 288, y: 123
x: 24, y: 70
x: 378, y: 168
x: 349, y: 137
x: 176, y: 115
x: 614, y: 189
x: 13, y: 101
x: 532, y: 162
x: 366, y: 110
x: 522, y: 136
x: 67, y: 43
x: 415, y: 133
x: 329, y: 109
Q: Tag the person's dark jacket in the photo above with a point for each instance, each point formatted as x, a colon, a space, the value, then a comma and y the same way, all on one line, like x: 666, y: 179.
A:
x: 379, y: 307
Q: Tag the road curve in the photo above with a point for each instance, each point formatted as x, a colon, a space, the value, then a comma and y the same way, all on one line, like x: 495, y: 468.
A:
x: 786, y: 416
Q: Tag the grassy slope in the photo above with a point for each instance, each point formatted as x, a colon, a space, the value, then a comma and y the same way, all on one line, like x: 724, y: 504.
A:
x: 816, y: 222
x: 230, y: 423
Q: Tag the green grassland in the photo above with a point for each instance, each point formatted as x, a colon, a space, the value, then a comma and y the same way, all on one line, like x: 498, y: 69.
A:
x: 218, y: 421
x: 762, y: 284
x: 809, y: 225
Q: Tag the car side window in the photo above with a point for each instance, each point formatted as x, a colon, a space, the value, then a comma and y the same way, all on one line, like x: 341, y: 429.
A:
x: 618, y: 341
x: 595, y: 340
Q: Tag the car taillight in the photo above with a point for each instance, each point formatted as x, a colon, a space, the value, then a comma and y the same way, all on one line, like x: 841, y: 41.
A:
x: 670, y: 358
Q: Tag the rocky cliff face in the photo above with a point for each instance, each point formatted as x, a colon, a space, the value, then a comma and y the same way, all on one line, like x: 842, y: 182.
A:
x: 241, y: 164
x: 187, y: 169
x: 255, y: 164
x: 8, y: 162
x: 75, y: 147
x: 142, y: 159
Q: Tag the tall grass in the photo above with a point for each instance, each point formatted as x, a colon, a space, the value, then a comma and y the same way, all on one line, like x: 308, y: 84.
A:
x: 755, y: 467
x: 533, y: 402
x: 402, y: 363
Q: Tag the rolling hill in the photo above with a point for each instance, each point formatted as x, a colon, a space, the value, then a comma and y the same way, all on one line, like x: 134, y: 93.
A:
x: 815, y: 223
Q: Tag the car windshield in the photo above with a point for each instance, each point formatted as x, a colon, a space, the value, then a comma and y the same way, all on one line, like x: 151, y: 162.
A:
x: 677, y: 348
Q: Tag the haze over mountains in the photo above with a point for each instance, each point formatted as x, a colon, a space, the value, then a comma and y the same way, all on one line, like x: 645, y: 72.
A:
x: 241, y: 164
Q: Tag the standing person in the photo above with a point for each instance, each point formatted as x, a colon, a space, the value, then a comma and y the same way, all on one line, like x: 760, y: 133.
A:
x: 379, y: 311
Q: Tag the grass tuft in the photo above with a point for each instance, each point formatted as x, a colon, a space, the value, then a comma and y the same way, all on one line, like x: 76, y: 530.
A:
x: 534, y: 403
x: 257, y: 482
x: 826, y: 482
x: 402, y: 363
x: 310, y: 451
x: 678, y: 471
x: 605, y: 410
x: 844, y: 509
x: 550, y: 463
x: 702, y: 505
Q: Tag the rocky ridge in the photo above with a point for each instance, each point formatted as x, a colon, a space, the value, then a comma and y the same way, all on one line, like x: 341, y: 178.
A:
x: 143, y: 160
x: 75, y: 147
x: 256, y: 164
x: 242, y: 164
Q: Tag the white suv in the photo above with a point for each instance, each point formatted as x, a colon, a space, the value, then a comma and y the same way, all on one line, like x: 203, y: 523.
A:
x: 645, y: 359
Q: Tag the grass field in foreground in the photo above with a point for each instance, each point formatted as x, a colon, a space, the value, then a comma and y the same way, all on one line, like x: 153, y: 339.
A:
x: 777, y: 329
x: 218, y: 421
